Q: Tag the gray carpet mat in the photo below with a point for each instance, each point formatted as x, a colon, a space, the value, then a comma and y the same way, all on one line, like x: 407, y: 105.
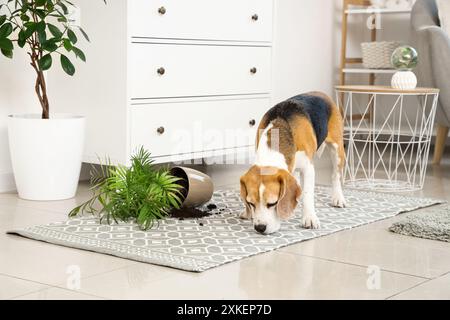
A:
x: 432, y: 223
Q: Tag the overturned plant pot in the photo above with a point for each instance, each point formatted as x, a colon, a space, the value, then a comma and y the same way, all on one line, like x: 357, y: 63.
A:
x: 197, y: 186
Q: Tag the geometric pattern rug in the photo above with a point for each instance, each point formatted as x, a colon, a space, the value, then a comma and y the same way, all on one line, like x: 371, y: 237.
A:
x: 200, y: 244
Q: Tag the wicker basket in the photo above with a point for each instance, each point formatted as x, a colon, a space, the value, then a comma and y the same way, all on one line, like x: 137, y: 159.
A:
x: 377, y: 55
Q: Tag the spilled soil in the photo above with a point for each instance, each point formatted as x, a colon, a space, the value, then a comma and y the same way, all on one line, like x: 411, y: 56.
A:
x: 192, y: 213
x: 187, y: 213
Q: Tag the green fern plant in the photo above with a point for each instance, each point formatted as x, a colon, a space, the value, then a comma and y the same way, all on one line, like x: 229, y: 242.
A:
x: 140, y: 192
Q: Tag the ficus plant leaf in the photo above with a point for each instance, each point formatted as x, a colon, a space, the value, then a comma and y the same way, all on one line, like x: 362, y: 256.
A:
x: 85, y: 35
x: 24, y: 18
x: 7, y: 53
x: 6, y: 44
x: 45, y: 62
x: 6, y: 30
x: 80, y: 54
x: 42, y: 36
x: 67, y: 44
x: 54, y: 30
x: 40, y: 3
x: 43, y: 30
x: 72, y: 36
x: 21, y: 41
x: 67, y: 65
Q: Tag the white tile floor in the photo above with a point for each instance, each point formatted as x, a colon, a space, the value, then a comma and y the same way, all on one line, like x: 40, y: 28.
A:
x: 338, y: 266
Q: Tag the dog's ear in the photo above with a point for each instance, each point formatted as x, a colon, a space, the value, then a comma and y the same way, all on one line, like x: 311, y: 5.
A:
x: 243, y: 189
x: 290, y: 193
x: 244, y: 193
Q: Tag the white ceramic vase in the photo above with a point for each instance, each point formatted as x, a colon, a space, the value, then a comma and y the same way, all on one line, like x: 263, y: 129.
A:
x: 46, y: 155
x: 404, y: 80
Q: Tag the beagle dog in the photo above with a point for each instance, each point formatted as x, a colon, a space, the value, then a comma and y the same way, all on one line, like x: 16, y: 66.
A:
x: 288, y: 137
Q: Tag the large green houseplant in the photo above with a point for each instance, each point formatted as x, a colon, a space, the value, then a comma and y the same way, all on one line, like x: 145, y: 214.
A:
x: 46, y: 149
x: 43, y: 29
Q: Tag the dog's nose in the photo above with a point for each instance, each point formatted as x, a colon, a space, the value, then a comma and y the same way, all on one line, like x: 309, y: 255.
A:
x: 260, y: 228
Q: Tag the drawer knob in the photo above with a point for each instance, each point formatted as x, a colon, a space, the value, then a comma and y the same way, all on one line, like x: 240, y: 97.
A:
x: 162, y: 10
x: 252, y: 122
x: 160, y: 130
x: 161, y: 71
x: 253, y: 70
x: 255, y: 17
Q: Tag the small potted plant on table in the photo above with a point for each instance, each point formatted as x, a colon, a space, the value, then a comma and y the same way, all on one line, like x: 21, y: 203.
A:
x: 46, y: 148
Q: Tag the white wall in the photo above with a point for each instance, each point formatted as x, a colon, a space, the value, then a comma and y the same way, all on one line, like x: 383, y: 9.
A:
x: 16, y: 96
x: 306, y: 55
x: 304, y: 47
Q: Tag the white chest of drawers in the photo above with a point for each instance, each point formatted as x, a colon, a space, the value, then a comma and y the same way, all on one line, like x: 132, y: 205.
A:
x: 184, y: 78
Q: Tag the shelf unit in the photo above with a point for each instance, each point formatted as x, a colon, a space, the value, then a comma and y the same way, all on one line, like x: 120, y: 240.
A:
x: 353, y: 7
x: 362, y: 7
x: 374, y: 10
x: 363, y: 70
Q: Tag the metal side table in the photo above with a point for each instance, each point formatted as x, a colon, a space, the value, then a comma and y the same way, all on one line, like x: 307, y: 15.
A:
x: 387, y: 135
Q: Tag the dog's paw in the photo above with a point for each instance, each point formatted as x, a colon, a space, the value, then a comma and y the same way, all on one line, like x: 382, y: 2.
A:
x: 338, y: 200
x: 245, y: 215
x: 310, y: 221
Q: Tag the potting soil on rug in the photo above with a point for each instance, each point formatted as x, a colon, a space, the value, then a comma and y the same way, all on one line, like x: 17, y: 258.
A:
x: 201, y: 244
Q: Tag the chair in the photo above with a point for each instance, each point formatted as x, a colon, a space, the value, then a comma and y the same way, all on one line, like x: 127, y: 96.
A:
x: 433, y: 45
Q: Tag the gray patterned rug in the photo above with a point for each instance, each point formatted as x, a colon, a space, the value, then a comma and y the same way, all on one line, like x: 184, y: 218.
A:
x: 198, y: 245
x: 433, y: 224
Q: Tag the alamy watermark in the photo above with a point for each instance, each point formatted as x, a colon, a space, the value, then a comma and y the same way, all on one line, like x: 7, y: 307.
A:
x: 374, y: 279
x: 73, y: 281
x: 373, y: 21
x: 217, y: 146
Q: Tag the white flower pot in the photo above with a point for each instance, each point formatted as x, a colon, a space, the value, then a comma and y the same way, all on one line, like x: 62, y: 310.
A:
x: 404, y: 80
x: 46, y: 155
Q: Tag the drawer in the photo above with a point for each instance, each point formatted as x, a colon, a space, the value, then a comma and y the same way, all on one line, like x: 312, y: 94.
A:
x: 249, y: 20
x: 179, y: 128
x: 168, y: 70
